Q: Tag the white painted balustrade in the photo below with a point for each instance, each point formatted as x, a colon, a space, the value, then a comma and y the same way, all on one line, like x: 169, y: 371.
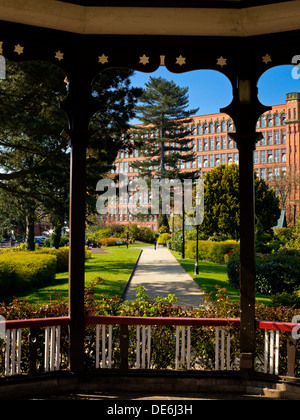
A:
x: 139, y: 346
x: 13, y: 350
x: 271, y: 353
x: 183, y: 349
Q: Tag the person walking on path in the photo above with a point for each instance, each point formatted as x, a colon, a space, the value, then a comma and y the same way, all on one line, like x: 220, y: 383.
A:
x: 161, y: 274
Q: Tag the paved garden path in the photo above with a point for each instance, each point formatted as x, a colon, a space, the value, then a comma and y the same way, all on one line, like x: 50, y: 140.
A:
x: 161, y: 274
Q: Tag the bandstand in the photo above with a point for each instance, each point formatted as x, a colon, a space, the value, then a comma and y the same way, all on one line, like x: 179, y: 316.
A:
x: 239, y: 38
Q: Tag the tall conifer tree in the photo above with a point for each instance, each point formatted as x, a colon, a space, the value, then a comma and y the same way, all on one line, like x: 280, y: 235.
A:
x: 162, y: 138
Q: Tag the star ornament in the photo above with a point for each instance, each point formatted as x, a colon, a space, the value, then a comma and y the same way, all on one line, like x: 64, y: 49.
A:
x: 59, y: 55
x: 103, y: 59
x: 221, y: 61
x: 144, y: 59
x: 266, y: 58
x: 180, y: 60
x: 19, y: 49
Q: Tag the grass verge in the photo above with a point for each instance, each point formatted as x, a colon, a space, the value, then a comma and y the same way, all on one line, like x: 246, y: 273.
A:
x: 110, y: 271
x: 212, y: 275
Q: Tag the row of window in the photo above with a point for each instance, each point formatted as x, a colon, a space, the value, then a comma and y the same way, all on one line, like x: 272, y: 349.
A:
x: 272, y: 174
x: 205, y: 161
x: 269, y: 156
x: 271, y: 120
x: 273, y: 137
x: 218, y: 143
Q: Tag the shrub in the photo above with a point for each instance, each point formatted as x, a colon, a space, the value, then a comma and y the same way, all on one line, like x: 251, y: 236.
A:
x: 21, y: 271
x: 287, y: 299
x: 163, y: 238
x: 111, y: 241
x: 274, y: 273
x: 211, y: 250
x: 62, y: 256
x: 163, y: 229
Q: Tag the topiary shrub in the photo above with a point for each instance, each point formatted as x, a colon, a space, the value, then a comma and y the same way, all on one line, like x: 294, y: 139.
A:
x: 163, y: 238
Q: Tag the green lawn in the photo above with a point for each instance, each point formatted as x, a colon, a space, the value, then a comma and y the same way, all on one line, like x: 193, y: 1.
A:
x: 212, y: 275
x: 114, y: 268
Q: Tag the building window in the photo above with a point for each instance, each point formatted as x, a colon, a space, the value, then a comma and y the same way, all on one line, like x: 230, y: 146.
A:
x: 283, y: 172
x: 276, y: 137
x: 218, y: 129
x: 262, y: 156
x: 263, y: 173
x: 199, y: 165
x: 223, y: 158
x: 223, y: 126
x: 269, y: 120
x: 270, y: 156
x: 193, y: 129
x: 269, y: 138
x: 263, y: 140
x: 211, y: 143
x: 229, y: 158
x: 236, y: 158
x: 263, y: 121
x: 276, y: 174
x: 205, y: 161
x: 211, y: 160
x: 223, y: 143
x: 276, y: 119
x: 199, y: 129
x: 217, y: 143
x: 255, y: 156
x: 269, y: 174
x: 230, y: 144
x: 217, y: 160
x: 205, y: 144
x: 283, y: 136
x: 283, y: 118
x: 283, y: 155
x: 276, y: 155
x: 205, y: 128
x: 199, y: 145
x: 211, y: 127
x: 230, y: 125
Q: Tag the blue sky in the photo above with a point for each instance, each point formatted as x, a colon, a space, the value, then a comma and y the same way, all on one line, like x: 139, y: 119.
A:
x: 210, y: 90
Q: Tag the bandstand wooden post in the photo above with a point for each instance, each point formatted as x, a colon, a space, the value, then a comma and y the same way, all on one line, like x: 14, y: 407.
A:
x: 78, y: 109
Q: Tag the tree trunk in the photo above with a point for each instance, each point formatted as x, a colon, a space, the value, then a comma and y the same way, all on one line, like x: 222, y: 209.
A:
x: 30, y: 230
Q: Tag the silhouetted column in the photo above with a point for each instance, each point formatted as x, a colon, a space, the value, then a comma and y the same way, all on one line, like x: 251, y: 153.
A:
x: 78, y: 109
x: 246, y: 145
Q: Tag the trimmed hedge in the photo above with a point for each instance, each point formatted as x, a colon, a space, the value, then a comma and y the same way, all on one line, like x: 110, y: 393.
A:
x: 61, y: 254
x: 211, y: 250
x: 111, y: 241
x: 20, y: 271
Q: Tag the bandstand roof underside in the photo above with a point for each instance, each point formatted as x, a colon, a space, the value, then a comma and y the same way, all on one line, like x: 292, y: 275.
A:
x: 156, y: 17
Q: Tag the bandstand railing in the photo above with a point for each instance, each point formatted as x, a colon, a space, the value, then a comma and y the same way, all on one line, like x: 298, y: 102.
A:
x: 113, y: 342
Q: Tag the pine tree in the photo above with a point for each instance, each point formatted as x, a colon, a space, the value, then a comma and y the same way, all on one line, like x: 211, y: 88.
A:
x: 162, y: 138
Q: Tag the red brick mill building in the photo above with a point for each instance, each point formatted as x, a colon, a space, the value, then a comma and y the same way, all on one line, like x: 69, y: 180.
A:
x: 276, y: 158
